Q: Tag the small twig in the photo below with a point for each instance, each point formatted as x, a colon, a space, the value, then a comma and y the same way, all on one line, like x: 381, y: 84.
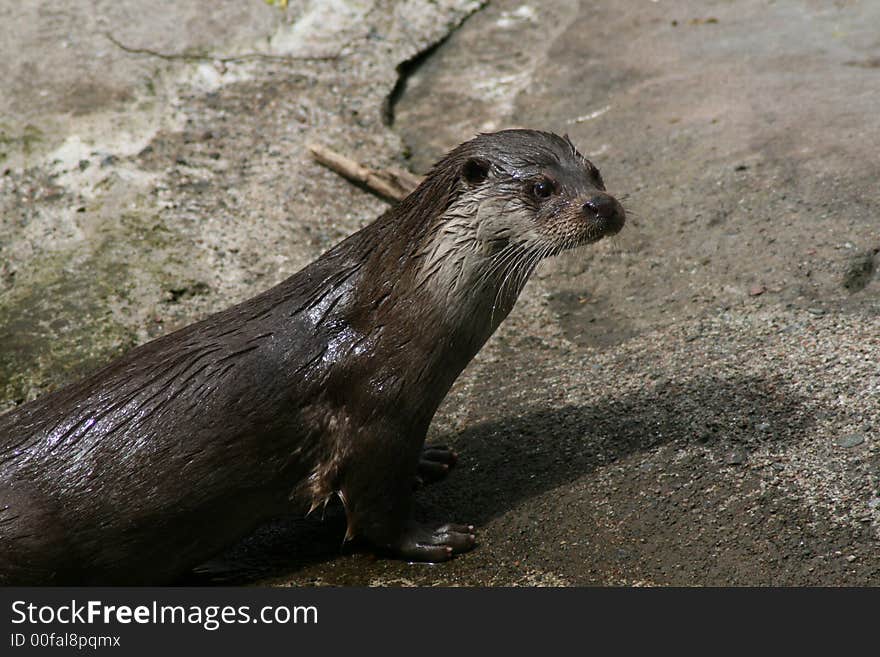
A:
x: 390, y: 183
x: 213, y: 58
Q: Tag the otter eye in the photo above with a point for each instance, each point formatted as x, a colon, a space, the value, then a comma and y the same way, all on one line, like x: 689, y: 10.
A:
x: 543, y: 188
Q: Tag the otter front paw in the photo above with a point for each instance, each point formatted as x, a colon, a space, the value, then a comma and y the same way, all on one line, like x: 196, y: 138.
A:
x: 435, y: 463
x: 434, y: 542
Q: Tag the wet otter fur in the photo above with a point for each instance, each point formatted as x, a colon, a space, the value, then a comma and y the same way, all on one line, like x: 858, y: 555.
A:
x: 323, y: 385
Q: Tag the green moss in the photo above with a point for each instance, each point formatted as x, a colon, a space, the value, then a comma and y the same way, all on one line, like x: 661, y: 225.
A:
x: 56, y: 330
x: 72, y: 314
x: 31, y: 136
x: 25, y: 141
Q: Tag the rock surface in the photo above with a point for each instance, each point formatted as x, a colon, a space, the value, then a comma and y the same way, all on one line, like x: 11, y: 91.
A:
x: 645, y: 416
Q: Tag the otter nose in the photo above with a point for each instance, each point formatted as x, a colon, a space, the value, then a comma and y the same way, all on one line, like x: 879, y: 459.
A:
x: 602, y: 205
x: 605, y: 212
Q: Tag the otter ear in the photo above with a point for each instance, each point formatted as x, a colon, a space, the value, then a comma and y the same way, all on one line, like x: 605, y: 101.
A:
x: 475, y: 170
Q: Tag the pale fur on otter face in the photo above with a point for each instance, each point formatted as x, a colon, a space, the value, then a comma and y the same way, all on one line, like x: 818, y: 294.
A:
x: 496, y: 228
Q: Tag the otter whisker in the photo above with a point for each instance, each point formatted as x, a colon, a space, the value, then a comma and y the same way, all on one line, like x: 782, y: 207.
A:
x: 519, y: 272
x: 512, y: 265
x: 505, y: 255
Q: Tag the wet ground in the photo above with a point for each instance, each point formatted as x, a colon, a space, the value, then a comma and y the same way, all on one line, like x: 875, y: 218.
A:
x: 694, y: 402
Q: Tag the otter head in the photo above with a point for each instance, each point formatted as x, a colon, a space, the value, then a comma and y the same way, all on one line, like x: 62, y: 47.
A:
x: 536, y: 189
x: 513, y: 198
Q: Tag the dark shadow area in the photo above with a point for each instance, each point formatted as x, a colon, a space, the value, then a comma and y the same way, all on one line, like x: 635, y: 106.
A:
x: 504, y: 462
x: 511, y: 460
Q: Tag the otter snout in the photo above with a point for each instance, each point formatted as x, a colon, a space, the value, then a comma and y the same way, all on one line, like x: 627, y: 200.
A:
x: 604, y: 210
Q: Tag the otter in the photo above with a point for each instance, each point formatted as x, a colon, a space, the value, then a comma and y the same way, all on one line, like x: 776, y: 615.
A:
x: 321, y: 386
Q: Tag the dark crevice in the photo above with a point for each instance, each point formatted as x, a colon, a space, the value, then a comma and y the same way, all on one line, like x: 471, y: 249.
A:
x: 409, y: 67
x: 404, y: 70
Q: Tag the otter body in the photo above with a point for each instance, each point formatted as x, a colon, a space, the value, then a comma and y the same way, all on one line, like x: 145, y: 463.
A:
x: 323, y: 385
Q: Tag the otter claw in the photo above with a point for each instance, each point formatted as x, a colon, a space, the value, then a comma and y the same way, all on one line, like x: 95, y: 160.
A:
x: 434, y: 464
x: 434, y: 543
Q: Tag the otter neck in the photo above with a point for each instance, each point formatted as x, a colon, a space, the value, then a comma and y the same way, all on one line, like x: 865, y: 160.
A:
x: 449, y: 278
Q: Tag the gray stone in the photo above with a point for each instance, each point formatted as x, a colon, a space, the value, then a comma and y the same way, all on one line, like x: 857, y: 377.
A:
x: 851, y: 440
x: 736, y: 456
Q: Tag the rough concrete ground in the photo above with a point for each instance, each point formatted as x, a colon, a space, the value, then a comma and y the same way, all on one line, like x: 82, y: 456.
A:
x: 695, y: 402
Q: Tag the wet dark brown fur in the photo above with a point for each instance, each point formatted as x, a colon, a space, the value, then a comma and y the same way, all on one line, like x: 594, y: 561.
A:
x: 323, y: 385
